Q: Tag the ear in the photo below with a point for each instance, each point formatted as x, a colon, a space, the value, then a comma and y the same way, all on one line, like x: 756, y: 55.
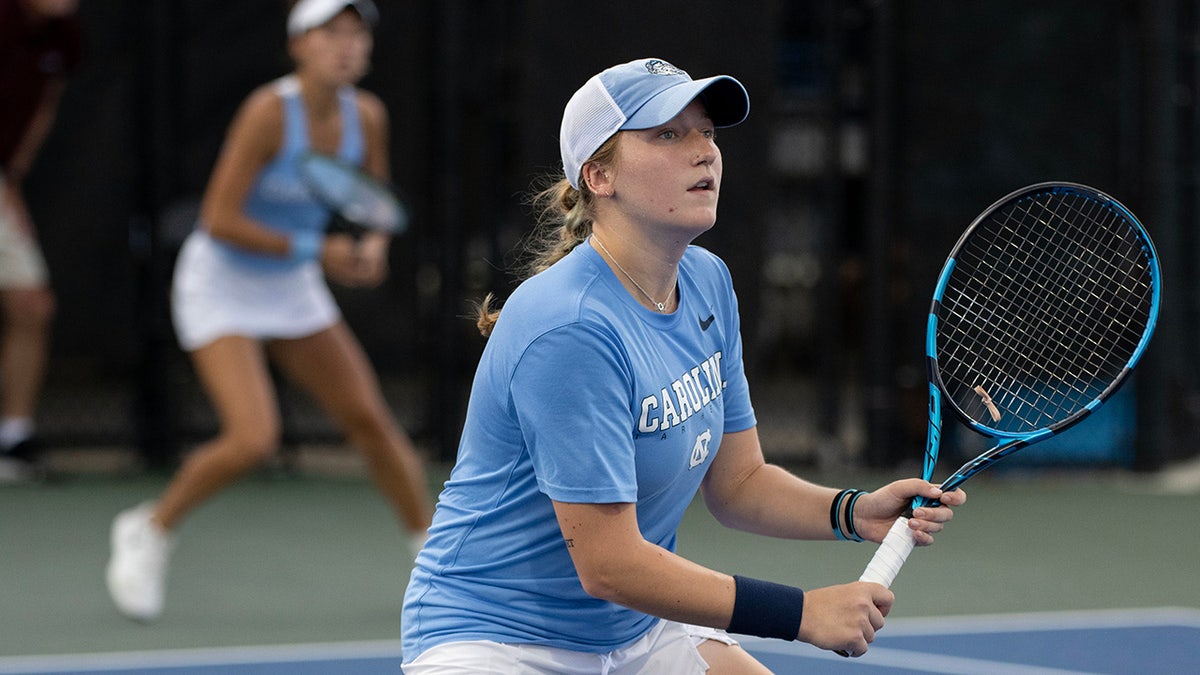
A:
x: 597, y: 178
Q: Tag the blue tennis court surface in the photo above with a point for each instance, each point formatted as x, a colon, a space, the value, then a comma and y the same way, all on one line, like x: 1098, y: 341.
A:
x: 1115, y: 642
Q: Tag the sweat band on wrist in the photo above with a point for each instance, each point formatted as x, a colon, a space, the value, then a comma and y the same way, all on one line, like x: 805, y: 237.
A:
x: 766, y: 609
x: 305, y: 246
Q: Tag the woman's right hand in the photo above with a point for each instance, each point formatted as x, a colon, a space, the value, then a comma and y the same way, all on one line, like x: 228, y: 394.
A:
x: 844, y: 618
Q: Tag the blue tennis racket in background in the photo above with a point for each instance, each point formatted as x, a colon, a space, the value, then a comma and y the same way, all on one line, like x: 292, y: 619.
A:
x: 1041, y: 312
x: 355, y: 196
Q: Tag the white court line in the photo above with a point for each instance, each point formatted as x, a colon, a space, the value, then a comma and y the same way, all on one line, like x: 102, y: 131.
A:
x: 906, y: 659
x: 1045, y: 621
x: 885, y: 657
x: 205, y: 656
x: 877, y: 656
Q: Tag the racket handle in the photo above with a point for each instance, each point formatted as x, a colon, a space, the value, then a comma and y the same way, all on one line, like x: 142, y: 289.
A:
x: 891, y: 555
x: 888, y: 559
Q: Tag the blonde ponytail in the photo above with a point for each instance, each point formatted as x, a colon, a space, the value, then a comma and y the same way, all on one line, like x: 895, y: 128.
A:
x: 564, y: 221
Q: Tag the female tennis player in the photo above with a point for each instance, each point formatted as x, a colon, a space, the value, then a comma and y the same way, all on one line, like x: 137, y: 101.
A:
x: 40, y: 46
x: 611, y: 389
x: 248, y: 286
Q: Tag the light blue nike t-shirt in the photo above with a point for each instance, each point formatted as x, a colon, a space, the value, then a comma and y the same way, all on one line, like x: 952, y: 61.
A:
x: 582, y: 395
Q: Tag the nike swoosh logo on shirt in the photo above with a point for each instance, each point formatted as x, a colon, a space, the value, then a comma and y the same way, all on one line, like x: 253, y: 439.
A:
x: 705, y: 323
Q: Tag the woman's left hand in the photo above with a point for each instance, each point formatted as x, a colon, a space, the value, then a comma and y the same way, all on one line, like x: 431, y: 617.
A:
x: 357, y: 263
x: 875, y: 512
x: 373, y: 250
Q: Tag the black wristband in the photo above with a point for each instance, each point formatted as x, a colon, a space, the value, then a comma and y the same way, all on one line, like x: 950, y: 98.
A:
x: 766, y: 609
x: 841, y: 515
x: 852, y: 533
x: 847, y: 520
x: 833, y: 513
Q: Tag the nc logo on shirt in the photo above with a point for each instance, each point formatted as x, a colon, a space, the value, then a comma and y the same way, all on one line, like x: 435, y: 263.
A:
x: 700, y: 449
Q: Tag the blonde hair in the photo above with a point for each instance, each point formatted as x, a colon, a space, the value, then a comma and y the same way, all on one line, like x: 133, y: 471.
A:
x: 564, y: 221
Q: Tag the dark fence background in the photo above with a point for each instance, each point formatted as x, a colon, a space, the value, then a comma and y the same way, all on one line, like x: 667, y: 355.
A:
x: 879, y: 129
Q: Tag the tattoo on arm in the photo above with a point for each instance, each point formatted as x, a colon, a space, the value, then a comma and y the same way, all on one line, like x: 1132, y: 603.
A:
x: 570, y: 543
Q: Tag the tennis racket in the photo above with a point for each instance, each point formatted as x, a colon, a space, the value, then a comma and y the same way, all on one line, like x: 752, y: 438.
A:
x: 352, y: 194
x: 1040, y: 314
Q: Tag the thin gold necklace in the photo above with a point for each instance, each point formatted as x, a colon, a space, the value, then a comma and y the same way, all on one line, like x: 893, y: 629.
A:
x: 662, y: 306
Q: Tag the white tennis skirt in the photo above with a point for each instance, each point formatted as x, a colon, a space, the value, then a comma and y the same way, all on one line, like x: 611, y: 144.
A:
x: 213, y: 296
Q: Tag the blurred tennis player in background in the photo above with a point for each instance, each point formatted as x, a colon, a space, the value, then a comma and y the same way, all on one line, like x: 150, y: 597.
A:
x: 611, y: 390
x: 249, y: 287
x: 39, y: 45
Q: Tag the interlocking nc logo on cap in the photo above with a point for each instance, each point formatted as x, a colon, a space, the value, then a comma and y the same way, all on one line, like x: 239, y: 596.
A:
x: 656, y: 67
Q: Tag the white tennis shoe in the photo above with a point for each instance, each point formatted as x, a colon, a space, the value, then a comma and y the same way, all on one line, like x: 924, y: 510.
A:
x: 137, y: 570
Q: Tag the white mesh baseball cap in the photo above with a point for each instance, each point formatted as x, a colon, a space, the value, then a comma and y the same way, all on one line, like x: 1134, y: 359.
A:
x: 308, y: 14
x: 639, y: 95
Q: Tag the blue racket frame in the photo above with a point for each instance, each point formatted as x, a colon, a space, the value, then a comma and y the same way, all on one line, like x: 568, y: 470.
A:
x: 346, y: 189
x: 1010, y: 442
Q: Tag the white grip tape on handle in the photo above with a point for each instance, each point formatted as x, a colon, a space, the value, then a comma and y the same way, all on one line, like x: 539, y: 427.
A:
x: 891, y: 555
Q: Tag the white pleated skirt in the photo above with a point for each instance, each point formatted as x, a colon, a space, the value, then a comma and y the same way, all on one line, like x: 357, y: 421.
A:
x: 214, y: 296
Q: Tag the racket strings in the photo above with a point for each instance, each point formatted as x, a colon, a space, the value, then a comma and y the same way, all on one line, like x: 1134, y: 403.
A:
x: 1038, y: 324
x: 1046, y: 305
x: 1038, y: 329
x: 1077, y: 275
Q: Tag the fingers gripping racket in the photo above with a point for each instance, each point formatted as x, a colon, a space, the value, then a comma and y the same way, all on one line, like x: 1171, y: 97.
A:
x: 1041, y: 312
x: 352, y: 194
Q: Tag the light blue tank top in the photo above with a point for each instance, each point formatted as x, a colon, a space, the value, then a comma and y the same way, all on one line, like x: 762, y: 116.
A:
x: 279, y: 198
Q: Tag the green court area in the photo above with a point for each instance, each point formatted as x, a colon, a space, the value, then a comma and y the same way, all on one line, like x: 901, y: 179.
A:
x: 300, y: 557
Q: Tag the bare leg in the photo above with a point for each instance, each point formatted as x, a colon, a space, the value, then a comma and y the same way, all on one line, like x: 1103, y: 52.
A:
x: 28, y: 313
x: 332, y: 367
x: 234, y: 372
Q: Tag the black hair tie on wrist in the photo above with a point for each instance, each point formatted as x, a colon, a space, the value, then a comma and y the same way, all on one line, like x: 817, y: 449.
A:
x: 833, y: 513
x: 848, y: 520
x: 841, y: 518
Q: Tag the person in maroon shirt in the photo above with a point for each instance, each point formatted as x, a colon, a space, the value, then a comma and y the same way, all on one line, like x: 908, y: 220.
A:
x: 39, y: 45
